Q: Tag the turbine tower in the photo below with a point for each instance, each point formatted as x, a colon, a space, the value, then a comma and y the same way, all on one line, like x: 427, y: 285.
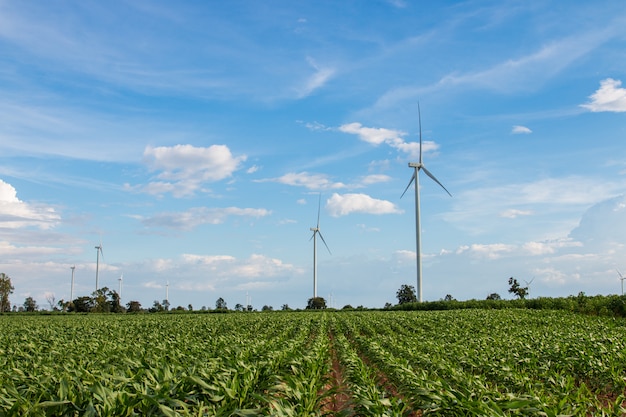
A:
x: 98, y: 253
x: 417, y: 166
x: 120, y: 279
x: 73, y: 267
x: 316, y: 230
x: 621, y: 278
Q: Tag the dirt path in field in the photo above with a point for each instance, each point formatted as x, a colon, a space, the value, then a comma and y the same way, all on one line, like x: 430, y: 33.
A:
x: 338, y: 401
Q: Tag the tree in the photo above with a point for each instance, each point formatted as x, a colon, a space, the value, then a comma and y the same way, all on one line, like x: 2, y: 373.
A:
x: 30, y: 304
x: 494, y: 296
x: 82, y: 304
x: 51, y: 299
x: 220, y: 304
x: 166, y: 304
x: 285, y: 307
x: 189, y: 307
x: 133, y: 306
x: 449, y: 298
x: 517, y: 290
x: 238, y: 307
x: 156, y: 307
x: 406, y: 294
x: 316, y: 303
x: 5, y: 290
x: 267, y: 308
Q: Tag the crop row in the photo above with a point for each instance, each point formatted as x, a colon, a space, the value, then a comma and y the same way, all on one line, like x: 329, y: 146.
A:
x: 450, y: 363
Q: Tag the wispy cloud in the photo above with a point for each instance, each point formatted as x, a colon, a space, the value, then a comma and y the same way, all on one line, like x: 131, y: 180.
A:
x: 520, y: 130
x: 316, y: 182
x: 609, y: 97
x: 319, y: 78
x: 394, y: 138
x: 197, y: 216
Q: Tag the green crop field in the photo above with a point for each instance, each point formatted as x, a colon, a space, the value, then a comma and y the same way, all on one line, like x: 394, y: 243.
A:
x: 451, y: 363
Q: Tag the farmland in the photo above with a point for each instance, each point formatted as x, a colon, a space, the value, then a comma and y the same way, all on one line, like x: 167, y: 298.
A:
x: 440, y: 363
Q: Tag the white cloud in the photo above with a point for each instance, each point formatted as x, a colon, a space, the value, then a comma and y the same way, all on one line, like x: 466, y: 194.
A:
x: 393, y: 138
x: 184, y: 168
x: 341, y: 205
x: 520, y: 130
x: 305, y: 179
x: 489, y: 251
x: 319, y: 78
x: 609, y: 97
x: 226, y: 266
x: 373, y: 135
x: 375, y: 178
x: 15, y: 213
x: 197, y: 216
x: 514, y: 213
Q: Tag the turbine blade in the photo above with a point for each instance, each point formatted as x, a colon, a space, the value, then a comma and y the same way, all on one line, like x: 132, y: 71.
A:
x: 419, y: 118
x: 319, y: 206
x: 410, y: 182
x: 322, y: 237
x: 436, y: 180
x: 619, y: 273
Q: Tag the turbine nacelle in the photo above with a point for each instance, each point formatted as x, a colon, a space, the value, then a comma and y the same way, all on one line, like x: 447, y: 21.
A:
x: 417, y: 165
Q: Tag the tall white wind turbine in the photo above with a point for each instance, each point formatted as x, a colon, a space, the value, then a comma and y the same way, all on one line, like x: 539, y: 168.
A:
x: 316, y: 230
x: 98, y: 253
x: 417, y: 166
x: 621, y: 278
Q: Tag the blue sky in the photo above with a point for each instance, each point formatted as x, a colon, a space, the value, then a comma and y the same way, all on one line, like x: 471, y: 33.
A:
x: 193, y: 140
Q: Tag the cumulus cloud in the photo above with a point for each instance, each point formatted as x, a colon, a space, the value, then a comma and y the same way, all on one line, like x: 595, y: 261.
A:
x: 609, y: 97
x: 520, y: 130
x: 15, y: 213
x: 197, y: 216
x: 184, y: 168
x: 341, y: 205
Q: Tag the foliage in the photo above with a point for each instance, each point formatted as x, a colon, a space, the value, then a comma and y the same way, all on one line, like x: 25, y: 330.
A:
x: 316, y: 303
x: 516, y: 289
x: 220, y: 304
x: 471, y: 362
x: 406, y: 294
x: 6, y: 289
x: 133, y: 307
x: 30, y: 304
x: 494, y: 296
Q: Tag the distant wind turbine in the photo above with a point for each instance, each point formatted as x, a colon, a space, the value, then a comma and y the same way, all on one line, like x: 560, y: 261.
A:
x: 621, y: 278
x: 316, y: 230
x: 417, y: 166
x: 120, y: 279
x: 528, y: 284
x: 73, y: 267
x: 98, y: 253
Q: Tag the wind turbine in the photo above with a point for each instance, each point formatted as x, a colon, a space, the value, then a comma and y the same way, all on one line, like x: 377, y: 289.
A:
x: 621, y: 278
x: 528, y: 284
x: 73, y: 267
x: 417, y: 166
x: 316, y: 230
x: 98, y: 253
x: 120, y: 279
